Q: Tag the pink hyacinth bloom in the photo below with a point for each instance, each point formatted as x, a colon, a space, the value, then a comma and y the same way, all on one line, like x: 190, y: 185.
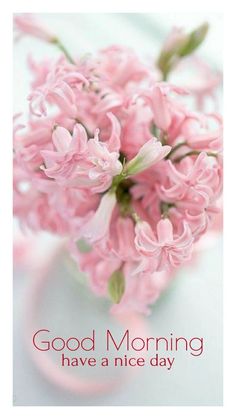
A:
x: 162, y: 249
x: 195, y: 183
x: 26, y: 24
x: 59, y: 88
x: 200, y: 136
x: 113, y: 143
x: 161, y: 105
x: 69, y: 150
x: 98, y: 225
x: 121, y: 239
x: 121, y: 66
x: 87, y: 166
x: 82, y: 162
x: 104, y: 164
x: 149, y: 154
x: 136, y: 125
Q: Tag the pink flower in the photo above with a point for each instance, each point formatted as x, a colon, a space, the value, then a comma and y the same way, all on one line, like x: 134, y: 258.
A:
x: 199, y: 135
x: 98, y: 225
x: 59, y: 89
x: 195, y: 184
x: 113, y: 143
x: 140, y: 185
x: 73, y: 204
x: 108, y: 101
x: 81, y: 162
x: 121, y: 239
x: 29, y: 143
x: 161, y: 104
x: 149, y: 154
x: 162, y: 249
x: 34, y: 208
x: 105, y: 164
x: 26, y: 24
x: 121, y: 66
x: 198, y: 220
x: 62, y: 162
x: 136, y: 125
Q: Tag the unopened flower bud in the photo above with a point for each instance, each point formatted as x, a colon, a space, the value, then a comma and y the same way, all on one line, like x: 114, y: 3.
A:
x: 27, y: 24
x: 116, y: 286
x: 179, y: 44
x: 193, y: 40
x: 149, y: 154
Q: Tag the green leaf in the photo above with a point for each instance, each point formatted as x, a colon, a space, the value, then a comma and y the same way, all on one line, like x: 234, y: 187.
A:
x: 116, y: 286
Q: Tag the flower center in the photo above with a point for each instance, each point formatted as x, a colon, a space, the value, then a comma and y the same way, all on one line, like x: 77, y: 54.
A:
x: 124, y: 197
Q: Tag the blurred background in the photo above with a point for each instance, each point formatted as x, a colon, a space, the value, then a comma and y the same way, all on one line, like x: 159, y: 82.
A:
x: 192, y: 305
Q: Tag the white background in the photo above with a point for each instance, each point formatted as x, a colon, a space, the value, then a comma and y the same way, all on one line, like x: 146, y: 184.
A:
x: 230, y: 222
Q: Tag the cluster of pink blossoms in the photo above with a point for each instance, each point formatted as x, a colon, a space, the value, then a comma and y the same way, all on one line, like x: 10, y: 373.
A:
x: 113, y: 159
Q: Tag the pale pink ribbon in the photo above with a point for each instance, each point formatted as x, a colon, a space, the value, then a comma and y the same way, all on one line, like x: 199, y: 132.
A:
x: 50, y: 369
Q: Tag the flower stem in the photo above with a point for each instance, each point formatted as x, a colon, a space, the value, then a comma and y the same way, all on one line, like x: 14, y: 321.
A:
x: 174, y: 149
x: 61, y: 47
x: 164, y: 76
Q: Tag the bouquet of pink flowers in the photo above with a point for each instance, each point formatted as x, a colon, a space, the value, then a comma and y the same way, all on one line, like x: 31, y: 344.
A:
x: 115, y: 159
